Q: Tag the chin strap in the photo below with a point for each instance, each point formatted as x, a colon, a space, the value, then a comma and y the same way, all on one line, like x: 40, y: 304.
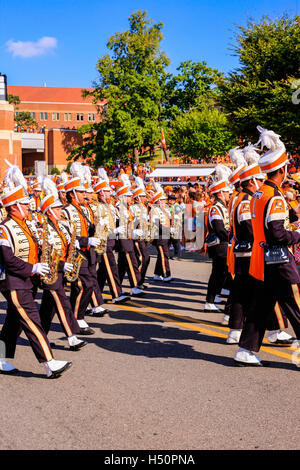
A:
x: 21, y: 210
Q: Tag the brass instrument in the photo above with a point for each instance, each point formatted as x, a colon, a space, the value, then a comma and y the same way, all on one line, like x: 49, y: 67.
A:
x: 74, y: 258
x: 101, y: 232
x: 50, y: 256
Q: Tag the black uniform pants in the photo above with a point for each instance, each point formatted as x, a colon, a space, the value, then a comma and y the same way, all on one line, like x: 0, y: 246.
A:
x: 56, y: 301
x: 81, y: 294
x: 108, y: 271
x: 265, y: 294
x: 162, y: 266
x: 175, y: 242
x: 22, y: 314
x: 143, y: 258
x: 127, y: 263
x: 217, y: 278
x: 242, y: 297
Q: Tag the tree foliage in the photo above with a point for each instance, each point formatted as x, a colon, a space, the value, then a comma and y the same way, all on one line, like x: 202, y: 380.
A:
x: 201, y: 134
x: 129, y: 81
x: 260, y: 91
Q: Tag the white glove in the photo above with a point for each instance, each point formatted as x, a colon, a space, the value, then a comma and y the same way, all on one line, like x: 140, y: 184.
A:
x: 40, y: 268
x: 77, y: 245
x: 92, y: 241
x: 176, y: 217
x: 121, y: 230
x: 137, y: 232
x: 172, y: 230
x: 68, y: 267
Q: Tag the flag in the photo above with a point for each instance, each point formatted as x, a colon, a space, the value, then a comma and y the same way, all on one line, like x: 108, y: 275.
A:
x: 163, y: 140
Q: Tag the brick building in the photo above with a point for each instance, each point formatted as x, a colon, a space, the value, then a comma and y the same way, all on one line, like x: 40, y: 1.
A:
x: 58, y: 112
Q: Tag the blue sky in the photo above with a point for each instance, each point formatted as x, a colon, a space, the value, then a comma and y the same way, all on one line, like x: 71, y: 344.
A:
x: 59, y: 42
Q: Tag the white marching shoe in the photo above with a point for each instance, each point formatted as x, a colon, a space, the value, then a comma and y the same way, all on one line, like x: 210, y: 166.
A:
x: 121, y: 299
x: 7, y: 368
x: 280, y: 337
x: 75, y: 343
x: 246, y: 358
x: 156, y: 277
x: 225, y: 320
x: 233, y: 337
x: 218, y: 300
x: 136, y: 292
x: 225, y: 292
x: 211, y: 308
x: 54, y: 368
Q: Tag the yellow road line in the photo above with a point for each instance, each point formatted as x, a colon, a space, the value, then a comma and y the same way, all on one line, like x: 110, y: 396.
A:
x: 142, y: 308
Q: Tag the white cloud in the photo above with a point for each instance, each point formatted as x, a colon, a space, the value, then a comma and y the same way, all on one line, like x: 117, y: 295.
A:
x: 28, y: 49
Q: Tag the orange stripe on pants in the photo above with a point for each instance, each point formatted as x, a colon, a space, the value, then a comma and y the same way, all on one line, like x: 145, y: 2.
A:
x: 61, y: 313
x: 31, y: 325
x: 110, y: 275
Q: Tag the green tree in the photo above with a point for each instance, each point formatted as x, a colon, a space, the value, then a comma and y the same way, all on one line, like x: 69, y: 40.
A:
x: 260, y: 92
x: 201, y: 134
x: 129, y: 82
x: 13, y: 99
x: 24, y: 118
x: 193, y: 88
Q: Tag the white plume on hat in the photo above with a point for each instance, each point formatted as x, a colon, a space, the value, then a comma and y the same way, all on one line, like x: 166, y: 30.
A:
x: 157, y: 187
x: 102, y: 174
x: 139, y: 183
x: 49, y: 187
x: 14, y: 177
x: 269, y: 139
x: 64, y: 177
x: 222, y: 172
x: 125, y: 180
x: 250, y: 154
x: 87, y: 175
x: 237, y: 157
x: 77, y: 170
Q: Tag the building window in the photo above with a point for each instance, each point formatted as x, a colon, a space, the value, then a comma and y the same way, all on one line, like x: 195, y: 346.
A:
x: 79, y: 117
x: 68, y: 117
x: 55, y: 116
x: 33, y: 115
x: 91, y: 117
x: 43, y: 116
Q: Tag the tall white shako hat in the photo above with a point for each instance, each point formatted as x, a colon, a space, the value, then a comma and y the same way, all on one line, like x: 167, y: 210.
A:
x: 276, y: 156
x: 252, y: 170
x: 51, y: 198
x: 159, y: 193
x: 77, y: 182
x: 125, y: 189
x: 237, y: 158
x: 140, y: 187
x: 15, y: 191
x: 63, y: 180
x: 87, y: 179
x: 103, y: 181
x: 222, y: 172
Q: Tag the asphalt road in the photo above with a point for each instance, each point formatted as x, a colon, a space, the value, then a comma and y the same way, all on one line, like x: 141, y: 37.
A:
x: 156, y: 375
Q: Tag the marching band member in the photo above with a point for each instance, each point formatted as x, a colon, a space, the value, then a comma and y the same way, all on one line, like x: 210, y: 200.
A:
x: 58, y: 235
x: 19, y: 245
x: 272, y: 267
x: 91, y: 209
x: 139, y: 211
x: 160, y: 234
x: 217, y: 239
x: 127, y: 262
x: 82, y: 288
x: 108, y: 268
x: 176, y: 214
